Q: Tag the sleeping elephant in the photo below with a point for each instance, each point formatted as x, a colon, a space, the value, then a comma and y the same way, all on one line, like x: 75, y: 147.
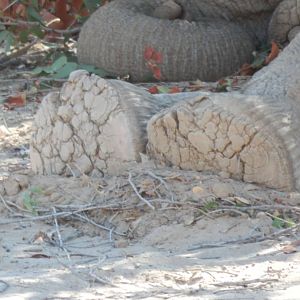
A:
x: 198, y: 39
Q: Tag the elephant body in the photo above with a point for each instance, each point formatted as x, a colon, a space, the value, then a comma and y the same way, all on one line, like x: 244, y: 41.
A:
x: 207, y: 40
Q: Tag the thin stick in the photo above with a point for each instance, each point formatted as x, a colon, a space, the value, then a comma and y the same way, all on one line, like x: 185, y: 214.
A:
x: 162, y: 182
x: 18, y: 207
x: 138, y: 194
x: 262, y: 207
x: 10, y: 5
x: 100, y: 279
x: 32, y: 79
x: 110, y: 230
x: 248, y: 240
x: 61, y: 243
x: 14, y: 22
x: 6, y: 205
x: 17, y: 53
x: 4, y: 287
x: 246, y: 282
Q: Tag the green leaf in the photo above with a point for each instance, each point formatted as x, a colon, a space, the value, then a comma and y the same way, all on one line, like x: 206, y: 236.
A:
x: 36, y: 190
x: 290, y: 223
x: 258, y: 62
x: 37, y: 31
x: 29, y: 203
x: 10, y: 41
x: 35, y: 3
x: 163, y: 89
x: 7, y: 38
x: 93, y: 69
x: 65, y: 71
x: 3, y: 35
x: 59, y: 63
x: 278, y: 223
x: 23, y: 36
x: 91, y: 5
x: 211, y: 205
x: 37, y: 71
x: 33, y: 14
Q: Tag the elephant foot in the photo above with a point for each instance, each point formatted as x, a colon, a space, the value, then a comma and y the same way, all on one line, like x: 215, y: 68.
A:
x: 93, y: 126
x: 228, y: 133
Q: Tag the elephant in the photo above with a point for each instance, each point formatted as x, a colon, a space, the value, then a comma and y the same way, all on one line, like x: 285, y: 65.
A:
x: 103, y: 126
x: 200, y: 39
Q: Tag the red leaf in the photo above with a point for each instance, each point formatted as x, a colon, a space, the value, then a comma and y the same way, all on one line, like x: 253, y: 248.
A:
x: 153, y: 90
x: 4, y: 4
x: 15, y: 101
x: 61, y: 11
x: 175, y: 89
x: 273, y: 54
x: 76, y: 5
x: 51, y: 20
x: 148, y: 53
x: 157, y: 57
x: 246, y: 70
x: 156, y: 72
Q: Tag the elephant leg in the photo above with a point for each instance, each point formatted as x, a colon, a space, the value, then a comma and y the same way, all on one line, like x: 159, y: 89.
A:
x: 285, y: 22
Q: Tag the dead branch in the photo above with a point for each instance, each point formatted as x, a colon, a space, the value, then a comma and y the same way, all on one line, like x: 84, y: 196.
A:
x: 137, y: 193
x: 4, y: 61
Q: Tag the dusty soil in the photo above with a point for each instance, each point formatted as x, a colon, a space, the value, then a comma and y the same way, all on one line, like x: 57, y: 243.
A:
x: 150, y: 234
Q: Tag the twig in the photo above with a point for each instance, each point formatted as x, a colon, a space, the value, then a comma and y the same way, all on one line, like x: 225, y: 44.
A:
x: 289, y: 223
x: 15, y: 22
x: 262, y: 207
x: 100, y: 279
x: 248, y: 240
x: 246, y: 282
x: 4, y: 286
x: 162, y: 182
x: 6, y: 59
x: 5, y: 124
x: 10, y: 5
x: 6, y: 205
x: 97, y: 277
x: 61, y: 243
x: 110, y: 230
x: 138, y: 194
x: 38, y: 218
x: 18, y: 207
x: 71, y: 170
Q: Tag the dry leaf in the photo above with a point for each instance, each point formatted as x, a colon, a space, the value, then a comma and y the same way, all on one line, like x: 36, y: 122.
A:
x: 273, y: 54
x: 40, y: 255
x: 246, y: 70
x: 242, y: 200
x: 289, y: 249
x: 15, y: 101
x: 175, y: 89
x: 197, y: 190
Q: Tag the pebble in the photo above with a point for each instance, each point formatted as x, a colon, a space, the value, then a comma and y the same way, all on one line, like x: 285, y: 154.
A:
x: 122, y: 243
x: 222, y: 190
x: 11, y: 187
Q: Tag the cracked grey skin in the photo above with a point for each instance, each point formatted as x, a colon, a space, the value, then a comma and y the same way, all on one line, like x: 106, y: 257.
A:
x: 209, y: 39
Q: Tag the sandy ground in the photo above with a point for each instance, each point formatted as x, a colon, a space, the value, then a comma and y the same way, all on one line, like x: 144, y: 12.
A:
x: 183, y: 235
